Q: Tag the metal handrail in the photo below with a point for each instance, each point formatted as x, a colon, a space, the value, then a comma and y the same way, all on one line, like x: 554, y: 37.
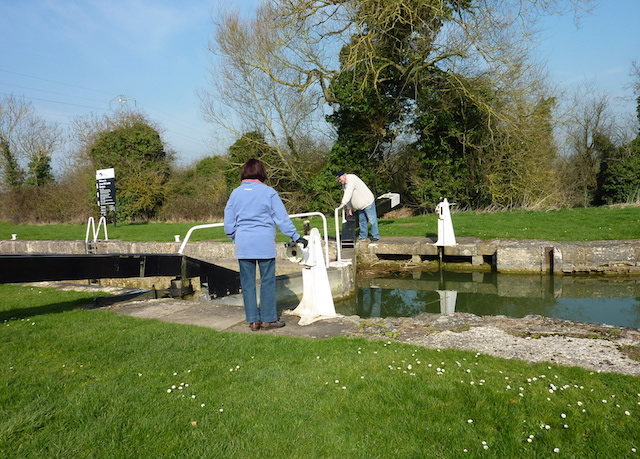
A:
x: 324, y: 227
x: 192, y: 229
x: 338, y: 244
x: 91, y: 225
x: 306, y: 214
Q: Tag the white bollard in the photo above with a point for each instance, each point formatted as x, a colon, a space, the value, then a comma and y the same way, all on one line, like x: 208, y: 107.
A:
x: 14, y: 237
x: 446, y: 236
x: 317, y: 300
x: 176, y: 238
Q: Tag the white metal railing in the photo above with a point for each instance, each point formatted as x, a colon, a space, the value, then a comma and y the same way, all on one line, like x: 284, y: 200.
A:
x: 192, y: 229
x: 338, y: 244
x: 325, y: 231
x: 91, y: 227
x: 306, y: 214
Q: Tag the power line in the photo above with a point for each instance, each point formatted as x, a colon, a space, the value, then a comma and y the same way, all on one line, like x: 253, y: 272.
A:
x: 96, y: 108
x: 54, y: 101
x: 184, y: 123
x: 184, y: 135
x: 169, y: 119
x: 52, y: 81
x: 181, y: 121
x: 48, y: 92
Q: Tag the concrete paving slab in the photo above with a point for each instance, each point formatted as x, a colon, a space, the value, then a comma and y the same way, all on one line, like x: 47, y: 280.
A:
x: 227, y: 314
x: 207, y: 315
x: 326, y: 328
x: 149, y: 309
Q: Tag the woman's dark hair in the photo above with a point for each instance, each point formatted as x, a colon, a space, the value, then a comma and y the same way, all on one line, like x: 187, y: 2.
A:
x: 254, y: 169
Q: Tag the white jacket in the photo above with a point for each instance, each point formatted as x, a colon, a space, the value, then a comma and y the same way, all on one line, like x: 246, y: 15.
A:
x: 357, y: 195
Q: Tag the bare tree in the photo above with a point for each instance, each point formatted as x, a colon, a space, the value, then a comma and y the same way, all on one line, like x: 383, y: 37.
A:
x: 634, y: 73
x: 304, y: 37
x: 243, y: 99
x: 589, y: 116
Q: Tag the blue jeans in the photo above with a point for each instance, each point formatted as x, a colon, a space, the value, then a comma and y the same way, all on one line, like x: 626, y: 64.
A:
x: 366, y: 216
x: 267, y: 311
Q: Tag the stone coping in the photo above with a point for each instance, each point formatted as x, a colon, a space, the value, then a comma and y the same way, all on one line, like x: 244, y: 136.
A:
x: 501, y: 255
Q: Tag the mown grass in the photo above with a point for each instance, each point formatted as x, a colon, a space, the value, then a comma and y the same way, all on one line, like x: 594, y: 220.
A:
x: 584, y: 224
x: 90, y: 383
x: 590, y: 224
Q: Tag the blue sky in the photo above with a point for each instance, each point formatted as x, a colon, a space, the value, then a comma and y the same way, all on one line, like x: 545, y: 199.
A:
x: 74, y: 57
x: 599, y: 50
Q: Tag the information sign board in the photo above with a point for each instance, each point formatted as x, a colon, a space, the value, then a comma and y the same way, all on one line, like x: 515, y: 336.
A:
x: 106, y: 190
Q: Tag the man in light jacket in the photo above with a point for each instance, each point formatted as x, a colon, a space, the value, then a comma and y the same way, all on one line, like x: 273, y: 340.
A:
x: 357, y: 196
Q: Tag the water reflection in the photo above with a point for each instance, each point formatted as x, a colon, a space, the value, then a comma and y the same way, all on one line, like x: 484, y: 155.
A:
x: 614, y: 301
x: 447, y: 301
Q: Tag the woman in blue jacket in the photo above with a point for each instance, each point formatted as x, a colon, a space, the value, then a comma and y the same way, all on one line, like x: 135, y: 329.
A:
x: 250, y: 219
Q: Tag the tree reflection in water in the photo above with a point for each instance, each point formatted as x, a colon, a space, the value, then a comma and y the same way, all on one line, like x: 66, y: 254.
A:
x: 609, y: 300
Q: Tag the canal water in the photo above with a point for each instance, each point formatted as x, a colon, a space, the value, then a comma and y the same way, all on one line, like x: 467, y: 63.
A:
x: 605, y: 300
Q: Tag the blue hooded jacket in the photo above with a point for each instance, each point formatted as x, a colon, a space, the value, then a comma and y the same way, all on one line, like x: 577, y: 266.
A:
x: 250, y: 219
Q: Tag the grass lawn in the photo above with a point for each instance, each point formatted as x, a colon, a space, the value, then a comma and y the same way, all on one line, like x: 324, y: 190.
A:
x: 591, y: 224
x: 81, y: 383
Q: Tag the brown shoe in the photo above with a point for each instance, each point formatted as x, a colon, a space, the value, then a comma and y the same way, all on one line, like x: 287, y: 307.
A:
x: 255, y: 326
x: 270, y: 325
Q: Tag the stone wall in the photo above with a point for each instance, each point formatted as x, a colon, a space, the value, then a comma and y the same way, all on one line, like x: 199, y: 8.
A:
x: 508, y: 255
x: 502, y: 255
x: 341, y: 275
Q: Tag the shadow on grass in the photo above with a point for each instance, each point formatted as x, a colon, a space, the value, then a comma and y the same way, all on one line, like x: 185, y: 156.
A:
x: 23, y: 313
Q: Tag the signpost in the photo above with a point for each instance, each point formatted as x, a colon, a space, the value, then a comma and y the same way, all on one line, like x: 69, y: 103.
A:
x: 106, y: 186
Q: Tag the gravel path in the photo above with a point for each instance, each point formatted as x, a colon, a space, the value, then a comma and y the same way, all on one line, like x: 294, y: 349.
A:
x: 533, y: 339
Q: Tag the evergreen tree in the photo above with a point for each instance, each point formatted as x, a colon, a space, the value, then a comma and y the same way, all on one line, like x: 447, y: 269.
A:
x: 13, y: 174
